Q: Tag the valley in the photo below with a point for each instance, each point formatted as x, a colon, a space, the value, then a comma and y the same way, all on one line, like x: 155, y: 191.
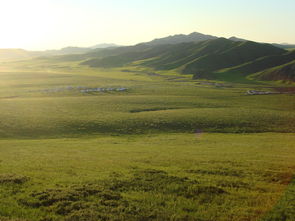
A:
x: 169, y: 147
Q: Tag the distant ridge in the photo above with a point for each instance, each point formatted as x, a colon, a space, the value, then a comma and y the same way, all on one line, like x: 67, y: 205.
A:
x: 104, y: 45
x: 180, y: 38
x: 12, y: 54
x: 284, y: 45
x: 64, y: 51
x: 236, y: 39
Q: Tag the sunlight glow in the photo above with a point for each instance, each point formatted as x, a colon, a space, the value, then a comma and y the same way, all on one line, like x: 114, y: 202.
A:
x: 48, y: 24
x: 24, y: 23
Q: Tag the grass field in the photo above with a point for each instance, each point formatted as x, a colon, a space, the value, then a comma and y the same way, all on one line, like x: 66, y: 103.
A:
x: 166, y: 148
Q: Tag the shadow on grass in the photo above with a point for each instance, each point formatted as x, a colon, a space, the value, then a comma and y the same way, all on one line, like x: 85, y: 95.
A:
x: 284, y: 210
x: 121, y: 199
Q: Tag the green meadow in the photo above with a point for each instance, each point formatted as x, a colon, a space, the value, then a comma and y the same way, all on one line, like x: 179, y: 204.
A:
x: 148, y: 145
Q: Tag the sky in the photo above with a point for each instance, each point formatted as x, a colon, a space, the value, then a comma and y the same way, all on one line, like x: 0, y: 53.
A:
x: 54, y: 24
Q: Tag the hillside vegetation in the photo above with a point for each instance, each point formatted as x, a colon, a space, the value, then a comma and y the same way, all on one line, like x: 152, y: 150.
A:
x: 133, y: 134
x: 203, y: 56
x: 166, y: 148
x: 263, y: 63
x: 284, y: 72
x: 201, y: 59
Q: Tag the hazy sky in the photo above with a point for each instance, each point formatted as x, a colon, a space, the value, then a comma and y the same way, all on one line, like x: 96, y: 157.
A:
x: 48, y: 24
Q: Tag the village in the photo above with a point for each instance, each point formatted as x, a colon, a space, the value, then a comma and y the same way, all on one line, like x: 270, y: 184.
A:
x: 83, y: 89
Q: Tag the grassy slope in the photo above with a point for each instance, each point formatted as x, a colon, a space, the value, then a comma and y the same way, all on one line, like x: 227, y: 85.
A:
x: 157, y: 177
x: 241, y: 52
x: 181, y: 106
x: 285, y: 72
x: 113, y: 154
x: 263, y: 63
x: 200, y: 59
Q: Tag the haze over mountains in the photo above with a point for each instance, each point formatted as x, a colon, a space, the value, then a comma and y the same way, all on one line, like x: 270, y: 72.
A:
x: 203, y: 56
x: 9, y: 54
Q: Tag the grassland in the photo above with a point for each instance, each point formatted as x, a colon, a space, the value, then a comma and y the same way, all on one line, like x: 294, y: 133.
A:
x: 167, y: 148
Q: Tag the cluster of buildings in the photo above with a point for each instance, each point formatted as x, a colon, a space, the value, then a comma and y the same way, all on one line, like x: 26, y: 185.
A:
x: 83, y: 89
x: 102, y: 89
x: 254, y: 92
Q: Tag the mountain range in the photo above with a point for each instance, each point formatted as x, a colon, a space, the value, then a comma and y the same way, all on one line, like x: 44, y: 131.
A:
x: 9, y: 54
x: 181, y: 38
x: 203, y: 56
x: 214, y: 58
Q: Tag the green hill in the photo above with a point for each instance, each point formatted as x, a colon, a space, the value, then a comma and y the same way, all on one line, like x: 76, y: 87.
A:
x: 263, y: 63
x: 203, y: 56
x: 199, y: 59
x: 284, y: 72
x: 183, y: 54
x: 235, y: 58
x: 237, y: 53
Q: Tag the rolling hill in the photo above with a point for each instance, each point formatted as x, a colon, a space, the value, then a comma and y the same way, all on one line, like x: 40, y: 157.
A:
x: 284, y: 72
x: 263, y: 63
x: 237, y: 53
x: 197, y: 54
x: 200, y: 59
